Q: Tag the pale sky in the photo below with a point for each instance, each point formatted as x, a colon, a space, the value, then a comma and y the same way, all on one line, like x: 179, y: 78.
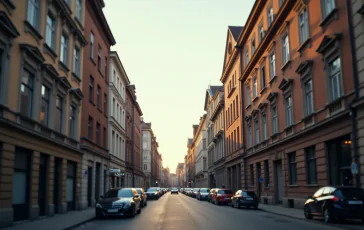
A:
x: 171, y: 50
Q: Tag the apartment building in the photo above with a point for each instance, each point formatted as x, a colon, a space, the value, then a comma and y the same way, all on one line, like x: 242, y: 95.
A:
x: 148, y: 150
x: 200, y: 146
x: 95, y: 106
x: 118, y: 80
x: 41, y: 47
x: 232, y: 107
x: 297, y: 86
x: 191, y: 160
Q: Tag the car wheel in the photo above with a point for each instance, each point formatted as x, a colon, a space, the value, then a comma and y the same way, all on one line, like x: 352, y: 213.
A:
x: 132, y: 212
x: 307, y: 212
x: 362, y: 220
x: 327, y: 215
x: 140, y: 210
x: 256, y: 207
x: 98, y: 215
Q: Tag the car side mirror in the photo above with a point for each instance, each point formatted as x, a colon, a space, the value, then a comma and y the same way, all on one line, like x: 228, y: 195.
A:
x: 101, y: 197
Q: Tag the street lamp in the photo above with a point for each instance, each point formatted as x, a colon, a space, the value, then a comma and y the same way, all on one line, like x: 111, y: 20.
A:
x: 156, y: 182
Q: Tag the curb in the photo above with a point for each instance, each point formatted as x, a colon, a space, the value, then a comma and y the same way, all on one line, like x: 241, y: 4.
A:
x: 303, y: 219
x: 79, y: 224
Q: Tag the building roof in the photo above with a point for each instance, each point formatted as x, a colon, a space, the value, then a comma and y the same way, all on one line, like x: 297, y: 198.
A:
x: 235, y: 31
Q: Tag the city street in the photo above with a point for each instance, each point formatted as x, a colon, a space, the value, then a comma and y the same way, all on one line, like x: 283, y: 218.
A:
x: 185, y: 213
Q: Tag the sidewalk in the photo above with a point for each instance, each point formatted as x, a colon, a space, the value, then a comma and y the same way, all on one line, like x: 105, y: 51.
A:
x: 57, y: 222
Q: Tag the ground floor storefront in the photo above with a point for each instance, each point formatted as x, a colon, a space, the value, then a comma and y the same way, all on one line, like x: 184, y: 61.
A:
x: 201, y: 180
x: 217, y: 176
x: 139, y: 178
x: 290, y: 169
x: 233, y: 171
x: 38, y: 176
x: 360, y: 138
x: 116, y: 172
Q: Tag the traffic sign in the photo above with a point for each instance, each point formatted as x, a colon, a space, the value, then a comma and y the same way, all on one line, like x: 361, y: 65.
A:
x: 261, y: 179
x: 354, y: 168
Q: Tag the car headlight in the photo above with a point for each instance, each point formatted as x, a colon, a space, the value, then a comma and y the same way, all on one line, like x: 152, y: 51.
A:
x: 156, y: 193
x: 98, y: 205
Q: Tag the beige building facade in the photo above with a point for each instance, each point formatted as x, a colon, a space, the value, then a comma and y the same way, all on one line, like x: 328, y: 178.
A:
x: 40, y: 100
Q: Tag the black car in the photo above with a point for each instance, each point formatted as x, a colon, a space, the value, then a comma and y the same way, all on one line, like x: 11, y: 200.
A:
x: 119, y: 202
x: 244, y: 198
x: 153, y: 193
x: 143, y: 196
x: 336, y: 204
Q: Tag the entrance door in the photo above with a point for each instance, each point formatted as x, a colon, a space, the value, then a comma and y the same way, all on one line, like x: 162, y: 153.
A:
x: 279, y: 181
x: 21, y: 180
x: 259, y: 171
x: 56, y: 185
x: 70, y: 187
x: 97, y: 181
x: 42, y: 186
x: 89, y: 186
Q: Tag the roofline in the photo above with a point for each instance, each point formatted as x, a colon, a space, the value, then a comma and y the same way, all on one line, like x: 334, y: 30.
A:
x: 105, y: 26
x: 115, y: 54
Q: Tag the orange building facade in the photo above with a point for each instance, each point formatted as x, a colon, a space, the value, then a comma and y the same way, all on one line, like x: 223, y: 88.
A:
x: 296, y: 88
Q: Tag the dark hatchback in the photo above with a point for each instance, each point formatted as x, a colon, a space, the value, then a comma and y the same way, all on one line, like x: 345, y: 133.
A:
x: 245, y: 198
x: 336, y: 204
x: 119, y: 202
x: 143, y: 196
x: 153, y: 193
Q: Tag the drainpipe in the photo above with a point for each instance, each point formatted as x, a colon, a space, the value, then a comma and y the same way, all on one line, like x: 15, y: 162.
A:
x: 356, y: 88
x: 243, y: 154
x: 132, y: 147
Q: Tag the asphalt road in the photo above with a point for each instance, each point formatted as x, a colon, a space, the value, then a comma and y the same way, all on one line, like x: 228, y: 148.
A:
x: 179, y: 212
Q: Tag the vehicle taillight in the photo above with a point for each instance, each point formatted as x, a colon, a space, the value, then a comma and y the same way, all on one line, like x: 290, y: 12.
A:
x: 335, y: 199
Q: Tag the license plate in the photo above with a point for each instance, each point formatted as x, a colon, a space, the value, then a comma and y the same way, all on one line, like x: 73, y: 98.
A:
x: 355, y: 202
x: 227, y: 198
x: 249, y: 199
x: 112, y: 210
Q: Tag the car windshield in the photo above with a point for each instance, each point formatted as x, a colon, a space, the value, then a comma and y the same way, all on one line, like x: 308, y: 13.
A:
x: 350, y: 192
x: 195, y: 190
x: 224, y: 192
x: 174, y: 188
x: 152, y: 190
x: 125, y: 193
x: 111, y: 193
x: 205, y: 190
x: 248, y: 193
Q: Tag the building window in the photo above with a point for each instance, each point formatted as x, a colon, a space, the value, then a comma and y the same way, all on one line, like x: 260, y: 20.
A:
x: 72, y: 122
x: 289, y: 111
x: 264, y: 127
x: 33, y: 13
x: 262, y: 78
x: 91, y: 89
x: 44, y: 108
x: 92, y: 46
x: 270, y: 16
x: 105, y: 103
x: 308, y: 97
x: 292, y: 166
x: 97, y: 133
x: 250, y: 137
x: 246, y: 57
x: 303, y: 26
x: 255, y: 87
x: 311, y: 165
x: 248, y: 99
x: 251, y: 175
x: 99, y: 59
x: 98, y: 97
x: 272, y: 65
x: 257, y: 134
x: 105, y: 66
x: 261, y: 32
x: 327, y: 7
x: 50, y: 37
x: 266, y: 173
x: 26, y: 89
x: 59, y: 114
x: 274, y: 120
x: 285, y: 49
x: 281, y: 2
x: 253, y: 47
x: 76, y: 61
x: 64, y: 49
x: 105, y: 138
x: 335, y: 79
x: 79, y: 10
x: 90, y: 127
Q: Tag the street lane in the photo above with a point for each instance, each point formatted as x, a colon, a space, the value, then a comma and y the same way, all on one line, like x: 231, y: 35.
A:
x: 179, y: 212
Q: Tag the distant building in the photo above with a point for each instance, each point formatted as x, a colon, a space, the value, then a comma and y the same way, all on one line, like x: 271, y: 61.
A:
x: 173, y: 179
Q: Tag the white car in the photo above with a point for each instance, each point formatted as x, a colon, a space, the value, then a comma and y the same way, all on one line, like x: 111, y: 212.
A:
x: 174, y: 190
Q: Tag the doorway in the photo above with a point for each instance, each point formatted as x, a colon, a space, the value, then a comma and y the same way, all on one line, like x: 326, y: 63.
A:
x: 89, y: 186
x: 279, y: 180
x: 42, y: 186
x: 71, y: 186
x: 97, y: 181
x: 259, y: 171
x: 56, y: 185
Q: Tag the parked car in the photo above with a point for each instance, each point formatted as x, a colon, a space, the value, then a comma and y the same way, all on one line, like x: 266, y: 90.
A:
x: 189, y: 192
x: 143, y: 196
x: 336, y: 204
x: 153, y: 193
x: 174, y: 190
x: 194, y: 192
x: 245, y: 198
x: 222, y: 196
x: 209, y: 197
x: 202, y: 194
x: 119, y: 202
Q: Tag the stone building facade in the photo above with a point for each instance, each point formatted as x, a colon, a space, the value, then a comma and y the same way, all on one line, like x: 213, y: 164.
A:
x: 200, y: 145
x: 41, y: 47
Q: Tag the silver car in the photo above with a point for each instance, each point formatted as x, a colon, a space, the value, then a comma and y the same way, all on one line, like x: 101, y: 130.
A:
x: 202, y: 194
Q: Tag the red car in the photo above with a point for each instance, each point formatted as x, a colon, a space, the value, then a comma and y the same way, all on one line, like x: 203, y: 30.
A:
x: 222, y: 196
